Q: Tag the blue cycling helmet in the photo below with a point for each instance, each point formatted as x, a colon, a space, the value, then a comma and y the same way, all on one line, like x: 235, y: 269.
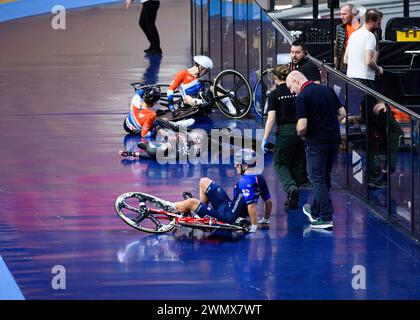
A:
x: 246, y: 156
x: 151, y: 95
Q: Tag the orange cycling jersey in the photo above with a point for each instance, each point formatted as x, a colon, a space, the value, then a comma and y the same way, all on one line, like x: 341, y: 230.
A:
x: 140, y: 120
x: 188, y: 84
x: 143, y: 118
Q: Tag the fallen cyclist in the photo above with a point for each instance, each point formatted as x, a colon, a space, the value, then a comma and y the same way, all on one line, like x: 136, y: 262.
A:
x: 214, y: 201
x: 141, y: 118
x: 191, y: 89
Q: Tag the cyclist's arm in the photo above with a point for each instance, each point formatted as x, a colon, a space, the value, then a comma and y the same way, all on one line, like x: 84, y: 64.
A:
x: 147, y: 125
x: 172, y: 87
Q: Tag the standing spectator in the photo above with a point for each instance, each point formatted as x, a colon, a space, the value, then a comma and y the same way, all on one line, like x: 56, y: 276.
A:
x: 362, y: 56
x: 343, y: 31
x: 289, y: 152
x: 147, y: 23
x: 317, y: 107
x: 361, y: 52
x: 301, y: 62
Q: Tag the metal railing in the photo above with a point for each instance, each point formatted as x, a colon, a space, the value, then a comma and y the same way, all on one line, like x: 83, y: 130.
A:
x: 240, y: 34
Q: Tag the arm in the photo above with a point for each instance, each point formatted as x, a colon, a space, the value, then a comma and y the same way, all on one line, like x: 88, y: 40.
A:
x: 174, y: 84
x: 370, y: 61
x: 346, y: 57
x: 128, y: 3
x: 269, y: 124
x: 147, y: 125
x: 302, y: 126
x: 341, y: 114
x: 336, y: 48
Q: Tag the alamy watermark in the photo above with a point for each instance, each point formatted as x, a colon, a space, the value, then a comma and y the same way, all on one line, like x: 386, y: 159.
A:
x: 359, y: 280
x: 58, y: 22
x: 58, y: 282
x: 200, y: 147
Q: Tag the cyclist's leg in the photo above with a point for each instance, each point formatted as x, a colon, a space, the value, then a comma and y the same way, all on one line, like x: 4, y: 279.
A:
x: 187, y: 205
x: 204, y: 184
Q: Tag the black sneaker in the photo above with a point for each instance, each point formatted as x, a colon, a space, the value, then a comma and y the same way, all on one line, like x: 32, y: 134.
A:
x: 321, y: 224
x: 293, y: 198
x: 187, y: 195
x: 308, y: 212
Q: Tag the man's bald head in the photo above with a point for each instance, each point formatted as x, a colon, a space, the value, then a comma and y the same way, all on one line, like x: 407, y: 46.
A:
x: 295, y: 80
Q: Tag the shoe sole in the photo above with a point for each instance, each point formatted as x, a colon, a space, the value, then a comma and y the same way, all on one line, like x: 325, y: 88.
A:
x: 306, y: 213
x: 322, y: 226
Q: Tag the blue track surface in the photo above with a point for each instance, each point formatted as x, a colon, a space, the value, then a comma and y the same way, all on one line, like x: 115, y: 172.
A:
x: 61, y: 173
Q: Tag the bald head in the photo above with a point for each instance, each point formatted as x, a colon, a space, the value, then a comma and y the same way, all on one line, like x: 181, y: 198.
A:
x: 295, y: 80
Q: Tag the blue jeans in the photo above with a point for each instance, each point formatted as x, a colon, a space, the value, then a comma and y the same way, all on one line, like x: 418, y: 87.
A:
x: 320, y: 161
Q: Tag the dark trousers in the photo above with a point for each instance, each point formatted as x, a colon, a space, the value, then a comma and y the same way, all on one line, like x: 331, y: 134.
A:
x: 320, y: 161
x: 147, y: 23
x: 289, y: 158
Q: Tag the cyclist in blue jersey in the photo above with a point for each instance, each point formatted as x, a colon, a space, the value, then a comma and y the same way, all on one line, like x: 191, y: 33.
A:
x: 246, y: 193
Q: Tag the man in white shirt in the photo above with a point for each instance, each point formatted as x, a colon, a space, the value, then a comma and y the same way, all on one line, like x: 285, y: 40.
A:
x: 361, y: 54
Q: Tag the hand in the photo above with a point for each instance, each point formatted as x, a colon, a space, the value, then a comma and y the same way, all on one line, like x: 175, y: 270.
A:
x: 128, y: 3
x: 172, y: 109
x: 380, y: 70
x: 264, y: 145
x: 380, y: 106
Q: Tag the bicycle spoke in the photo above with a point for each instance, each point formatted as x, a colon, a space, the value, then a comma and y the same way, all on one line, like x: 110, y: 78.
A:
x: 239, y: 102
x: 222, y: 90
x: 131, y: 208
x: 238, y: 85
x: 138, y: 220
x: 156, y: 221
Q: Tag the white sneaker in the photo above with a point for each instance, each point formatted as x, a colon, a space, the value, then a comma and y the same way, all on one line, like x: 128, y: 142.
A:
x: 264, y: 221
x: 253, y: 228
x: 229, y: 105
x: 183, y: 123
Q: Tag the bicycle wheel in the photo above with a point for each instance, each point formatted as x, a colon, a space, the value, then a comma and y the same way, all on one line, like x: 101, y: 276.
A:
x: 235, y: 87
x: 262, y: 89
x: 144, y: 212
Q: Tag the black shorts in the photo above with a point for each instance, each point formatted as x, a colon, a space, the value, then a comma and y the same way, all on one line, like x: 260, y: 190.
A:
x: 220, y: 205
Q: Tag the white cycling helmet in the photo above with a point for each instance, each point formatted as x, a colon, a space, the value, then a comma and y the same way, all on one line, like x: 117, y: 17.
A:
x: 204, y: 61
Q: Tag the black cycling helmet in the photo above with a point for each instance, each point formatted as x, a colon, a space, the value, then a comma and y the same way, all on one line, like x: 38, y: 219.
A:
x: 151, y: 95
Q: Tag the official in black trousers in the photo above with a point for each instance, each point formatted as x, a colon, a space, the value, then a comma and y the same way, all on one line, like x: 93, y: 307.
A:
x: 147, y: 22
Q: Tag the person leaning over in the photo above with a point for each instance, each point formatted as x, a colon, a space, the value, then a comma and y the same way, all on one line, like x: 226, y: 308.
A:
x: 317, y: 108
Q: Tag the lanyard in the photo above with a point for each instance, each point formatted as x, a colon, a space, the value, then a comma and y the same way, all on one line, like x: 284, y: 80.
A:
x: 305, y: 84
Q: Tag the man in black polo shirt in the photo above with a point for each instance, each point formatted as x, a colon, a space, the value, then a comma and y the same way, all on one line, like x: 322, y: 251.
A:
x: 300, y: 62
x: 317, y: 108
